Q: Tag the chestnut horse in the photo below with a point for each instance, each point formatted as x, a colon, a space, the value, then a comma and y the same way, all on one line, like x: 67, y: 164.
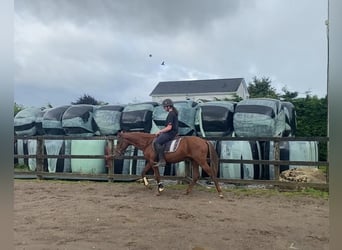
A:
x: 190, y: 148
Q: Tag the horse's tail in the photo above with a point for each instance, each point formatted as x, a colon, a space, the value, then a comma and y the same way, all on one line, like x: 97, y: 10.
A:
x: 214, y: 159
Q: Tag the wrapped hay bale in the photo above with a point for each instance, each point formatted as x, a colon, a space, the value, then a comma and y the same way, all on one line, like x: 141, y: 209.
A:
x: 259, y: 117
x: 107, y: 119
x: 25, y: 121
x: 78, y: 120
x: 215, y: 118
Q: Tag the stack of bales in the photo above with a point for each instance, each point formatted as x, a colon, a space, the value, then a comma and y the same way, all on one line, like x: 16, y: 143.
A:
x: 25, y: 124
x: 107, y: 119
x: 52, y: 125
x: 78, y: 121
x: 256, y: 117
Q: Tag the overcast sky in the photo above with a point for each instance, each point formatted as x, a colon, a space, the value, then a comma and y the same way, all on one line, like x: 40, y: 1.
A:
x: 113, y: 49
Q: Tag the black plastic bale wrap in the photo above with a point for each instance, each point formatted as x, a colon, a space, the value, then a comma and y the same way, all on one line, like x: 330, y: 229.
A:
x: 137, y: 117
x: 52, y: 120
x: 78, y: 119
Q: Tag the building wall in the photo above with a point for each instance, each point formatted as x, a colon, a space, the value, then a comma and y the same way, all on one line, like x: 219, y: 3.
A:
x: 211, y: 97
x: 242, y: 92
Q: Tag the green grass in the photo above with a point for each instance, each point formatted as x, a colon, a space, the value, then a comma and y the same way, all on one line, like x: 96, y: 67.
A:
x: 324, y: 169
x: 21, y: 167
x: 265, y: 192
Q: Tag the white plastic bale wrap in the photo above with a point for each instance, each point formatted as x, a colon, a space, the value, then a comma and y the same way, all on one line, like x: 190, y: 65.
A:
x: 259, y: 117
x: 67, y: 151
x: 236, y: 150
x: 21, y: 145
x: 179, y: 168
x: 32, y: 150
x: 53, y: 147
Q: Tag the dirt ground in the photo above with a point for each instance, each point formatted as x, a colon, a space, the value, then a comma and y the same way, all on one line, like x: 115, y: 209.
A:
x: 101, y: 215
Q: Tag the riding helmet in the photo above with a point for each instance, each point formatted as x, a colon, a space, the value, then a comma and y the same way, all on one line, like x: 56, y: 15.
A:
x: 167, y: 102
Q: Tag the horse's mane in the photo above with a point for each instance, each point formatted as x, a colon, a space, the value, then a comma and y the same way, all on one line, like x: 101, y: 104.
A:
x: 139, y: 137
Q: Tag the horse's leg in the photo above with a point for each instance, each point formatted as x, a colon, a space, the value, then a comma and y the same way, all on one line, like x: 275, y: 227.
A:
x: 195, y: 176
x: 207, y: 169
x: 143, y: 173
x: 157, y: 178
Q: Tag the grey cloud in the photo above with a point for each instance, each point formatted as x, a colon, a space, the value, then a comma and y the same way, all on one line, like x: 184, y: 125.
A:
x: 152, y: 16
x: 102, y: 47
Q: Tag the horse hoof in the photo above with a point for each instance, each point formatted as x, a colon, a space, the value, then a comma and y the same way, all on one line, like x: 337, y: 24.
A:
x: 145, y: 181
x: 160, y: 187
x: 221, y: 196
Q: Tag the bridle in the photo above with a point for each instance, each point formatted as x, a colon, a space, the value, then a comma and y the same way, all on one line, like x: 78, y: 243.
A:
x: 118, y: 151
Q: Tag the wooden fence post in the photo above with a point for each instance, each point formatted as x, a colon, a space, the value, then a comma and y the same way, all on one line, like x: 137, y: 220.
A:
x: 40, y: 156
x: 276, y: 158
x: 109, y: 151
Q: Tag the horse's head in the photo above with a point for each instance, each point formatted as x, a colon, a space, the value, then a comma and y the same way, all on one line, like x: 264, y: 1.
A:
x: 121, y: 146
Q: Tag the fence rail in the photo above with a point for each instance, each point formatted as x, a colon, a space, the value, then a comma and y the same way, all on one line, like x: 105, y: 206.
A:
x: 40, y: 156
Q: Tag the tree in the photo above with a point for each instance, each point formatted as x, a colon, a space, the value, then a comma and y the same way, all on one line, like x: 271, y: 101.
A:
x: 259, y: 88
x: 288, y: 95
x: 234, y: 98
x: 312, y: 115
x: 17, y: 108
x: 86, y: 99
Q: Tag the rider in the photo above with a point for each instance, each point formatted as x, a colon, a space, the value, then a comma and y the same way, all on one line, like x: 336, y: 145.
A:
x: 168, y: 133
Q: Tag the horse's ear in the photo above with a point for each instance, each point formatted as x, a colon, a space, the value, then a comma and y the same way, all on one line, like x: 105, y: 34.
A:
x: 120, y: 133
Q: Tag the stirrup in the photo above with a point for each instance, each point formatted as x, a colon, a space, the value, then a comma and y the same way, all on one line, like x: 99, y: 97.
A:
x: 160, y: 164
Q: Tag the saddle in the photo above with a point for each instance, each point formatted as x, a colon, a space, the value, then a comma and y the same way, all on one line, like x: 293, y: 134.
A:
x: 171, y: 146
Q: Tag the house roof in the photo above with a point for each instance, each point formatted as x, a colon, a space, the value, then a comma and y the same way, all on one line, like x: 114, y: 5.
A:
x: 197, y: 86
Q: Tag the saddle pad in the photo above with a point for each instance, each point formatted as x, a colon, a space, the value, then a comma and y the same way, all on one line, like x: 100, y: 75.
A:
x: 172, y: 146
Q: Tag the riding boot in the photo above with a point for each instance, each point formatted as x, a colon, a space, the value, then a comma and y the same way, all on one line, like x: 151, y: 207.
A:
x: 160, y: 152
